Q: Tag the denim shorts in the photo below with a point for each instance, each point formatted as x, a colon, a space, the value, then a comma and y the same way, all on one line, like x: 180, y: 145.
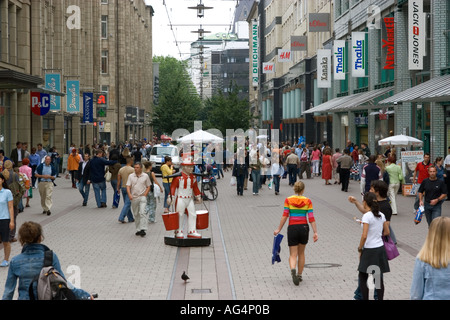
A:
x: 4, y: 230
x: 298, y: 234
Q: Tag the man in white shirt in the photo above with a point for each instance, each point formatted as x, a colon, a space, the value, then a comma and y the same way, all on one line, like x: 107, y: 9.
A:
x: 447, y: 167
x: 138, y: 186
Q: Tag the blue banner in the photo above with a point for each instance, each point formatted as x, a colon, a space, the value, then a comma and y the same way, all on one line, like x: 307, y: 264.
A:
x: 53, y: 83
x: 88, y: 107
x: 73, y: 96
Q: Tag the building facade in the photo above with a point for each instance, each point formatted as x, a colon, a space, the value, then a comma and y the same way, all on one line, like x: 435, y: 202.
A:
x: 375, y: 90
x: 73, y: 48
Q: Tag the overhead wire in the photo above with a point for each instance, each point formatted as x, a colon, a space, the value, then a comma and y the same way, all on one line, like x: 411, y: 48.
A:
x: 171, y: 28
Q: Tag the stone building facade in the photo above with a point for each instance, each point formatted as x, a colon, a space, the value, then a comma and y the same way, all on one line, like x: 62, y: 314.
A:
x: 106, y: 45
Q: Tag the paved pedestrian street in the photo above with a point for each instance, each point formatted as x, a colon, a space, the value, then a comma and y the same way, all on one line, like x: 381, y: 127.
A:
x: 109, y: 259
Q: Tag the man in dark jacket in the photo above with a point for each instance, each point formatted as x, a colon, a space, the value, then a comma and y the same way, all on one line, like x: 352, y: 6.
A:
x: 83, y: 176
x: 17, y: 155
x: 370, y: 172
x: 97, y: 177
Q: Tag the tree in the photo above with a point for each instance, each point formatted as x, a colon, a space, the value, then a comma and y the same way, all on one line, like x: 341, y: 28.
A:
x: 226, y: 111
x: 179, y: 102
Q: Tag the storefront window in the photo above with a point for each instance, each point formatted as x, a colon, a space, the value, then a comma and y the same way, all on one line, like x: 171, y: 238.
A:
x: 5, y: 102
x: 48, y: 132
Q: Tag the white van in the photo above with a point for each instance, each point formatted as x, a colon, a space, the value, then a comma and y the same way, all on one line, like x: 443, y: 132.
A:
x: 159, y: 152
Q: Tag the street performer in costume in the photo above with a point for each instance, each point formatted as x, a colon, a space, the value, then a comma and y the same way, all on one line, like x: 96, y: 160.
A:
x: 188, y: 194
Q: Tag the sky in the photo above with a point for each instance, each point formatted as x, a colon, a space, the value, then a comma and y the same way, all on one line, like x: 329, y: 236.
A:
x: 184, y: 21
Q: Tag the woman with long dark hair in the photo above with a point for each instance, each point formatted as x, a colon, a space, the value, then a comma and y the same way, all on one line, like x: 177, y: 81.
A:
x: 373, y: 258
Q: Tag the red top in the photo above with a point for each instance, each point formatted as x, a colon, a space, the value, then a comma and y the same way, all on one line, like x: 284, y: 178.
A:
x: 423, y: 171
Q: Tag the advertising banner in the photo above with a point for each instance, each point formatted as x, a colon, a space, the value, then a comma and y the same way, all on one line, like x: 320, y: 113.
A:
x: 53, y: 83
x: 299, y: 43
x: 88, y: 107
x: 340, y: 56
x: 324, y: 68
x: 416, y: 34
x: 359, y: 54
x: 388, y: 43
x: 268, y: 68
x: 73, y: 96
x: 284, y: 56
x: 319, y: 22
x: 40, y: 103
x: 255, y: 53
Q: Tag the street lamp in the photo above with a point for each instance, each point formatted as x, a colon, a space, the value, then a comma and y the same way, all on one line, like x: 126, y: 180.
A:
x: 200, y: 9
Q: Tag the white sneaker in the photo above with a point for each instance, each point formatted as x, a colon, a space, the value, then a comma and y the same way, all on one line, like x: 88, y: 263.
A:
x: 4, y: 264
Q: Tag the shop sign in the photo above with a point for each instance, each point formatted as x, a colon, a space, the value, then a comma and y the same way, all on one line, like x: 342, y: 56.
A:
x: 299, y: 43
x: 255, y: 54
x: 359, y: 54
x: 416, y: 34
x: 319, y: 22
x: 340, y: 54
x: 324, y: 68
x: 388, y: 43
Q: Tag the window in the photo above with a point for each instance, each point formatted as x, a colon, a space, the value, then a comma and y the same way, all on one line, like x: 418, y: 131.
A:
x: 104, y: 2
x: 104, y: 28
x: 104, y: 59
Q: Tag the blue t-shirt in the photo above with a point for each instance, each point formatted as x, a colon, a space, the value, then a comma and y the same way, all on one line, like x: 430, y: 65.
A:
x: 5, y: 197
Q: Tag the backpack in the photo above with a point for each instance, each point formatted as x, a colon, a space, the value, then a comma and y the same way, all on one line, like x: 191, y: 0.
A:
x: 51, y: 285
x: 16, y: 189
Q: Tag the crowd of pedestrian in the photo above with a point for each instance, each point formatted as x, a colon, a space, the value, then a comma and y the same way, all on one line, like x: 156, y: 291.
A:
x: 127, y: 169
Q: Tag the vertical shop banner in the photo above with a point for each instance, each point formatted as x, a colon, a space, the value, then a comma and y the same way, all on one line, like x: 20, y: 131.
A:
x: 359, y: 54
x: 88, y: 107
x: 156, y: 84
x: 340, y: 56
x: 299, y: 43
x: 73, y: 96
x: 268, y: 68
x: 255, y: 53
x: 53, y: 83
x: 388, y: 43
x: 416, y: 34
x: 284, y: 56
x: 324, y: 68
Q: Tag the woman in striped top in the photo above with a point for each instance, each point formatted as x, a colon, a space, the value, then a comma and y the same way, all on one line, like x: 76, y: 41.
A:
x: 299, y: 210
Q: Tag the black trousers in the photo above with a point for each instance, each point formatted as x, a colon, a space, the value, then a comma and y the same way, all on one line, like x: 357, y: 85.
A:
x: 344, y: 176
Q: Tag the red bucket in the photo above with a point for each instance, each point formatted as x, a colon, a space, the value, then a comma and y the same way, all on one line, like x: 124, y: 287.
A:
x: 202, y: 220
x: 171, y: 221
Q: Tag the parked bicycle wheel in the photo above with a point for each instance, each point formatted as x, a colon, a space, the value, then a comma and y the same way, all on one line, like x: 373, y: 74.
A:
x: 212, y: 193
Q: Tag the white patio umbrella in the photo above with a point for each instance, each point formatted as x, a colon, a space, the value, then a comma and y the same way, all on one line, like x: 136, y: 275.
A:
x: 200, y: 136
x: 401, y: 141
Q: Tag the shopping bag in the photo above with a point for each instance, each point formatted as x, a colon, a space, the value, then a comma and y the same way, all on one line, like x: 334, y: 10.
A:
x: 116, y: 199
x: 391, y: 248
x: 419, y: 215
x: 270, y: 184
x: 233, y: 181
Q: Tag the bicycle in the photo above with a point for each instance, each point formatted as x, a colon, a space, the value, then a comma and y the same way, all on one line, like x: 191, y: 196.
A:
x: 209, y: 187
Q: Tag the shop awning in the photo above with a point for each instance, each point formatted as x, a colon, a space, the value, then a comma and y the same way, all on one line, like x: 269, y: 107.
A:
x: 327, y: 106
x: 434, y: 90
x: 10, y: 79
x: 366, y: 100
x: 363, y: 100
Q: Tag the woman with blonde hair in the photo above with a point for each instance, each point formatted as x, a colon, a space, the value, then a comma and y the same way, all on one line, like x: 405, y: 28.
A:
x: 431, y: 276
x: 299, y: 210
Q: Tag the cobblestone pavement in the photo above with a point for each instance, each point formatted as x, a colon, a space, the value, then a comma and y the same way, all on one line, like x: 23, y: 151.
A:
x: 118, y: 265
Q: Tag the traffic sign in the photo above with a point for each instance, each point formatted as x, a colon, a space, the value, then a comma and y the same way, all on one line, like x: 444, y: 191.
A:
x: 40, y: 103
